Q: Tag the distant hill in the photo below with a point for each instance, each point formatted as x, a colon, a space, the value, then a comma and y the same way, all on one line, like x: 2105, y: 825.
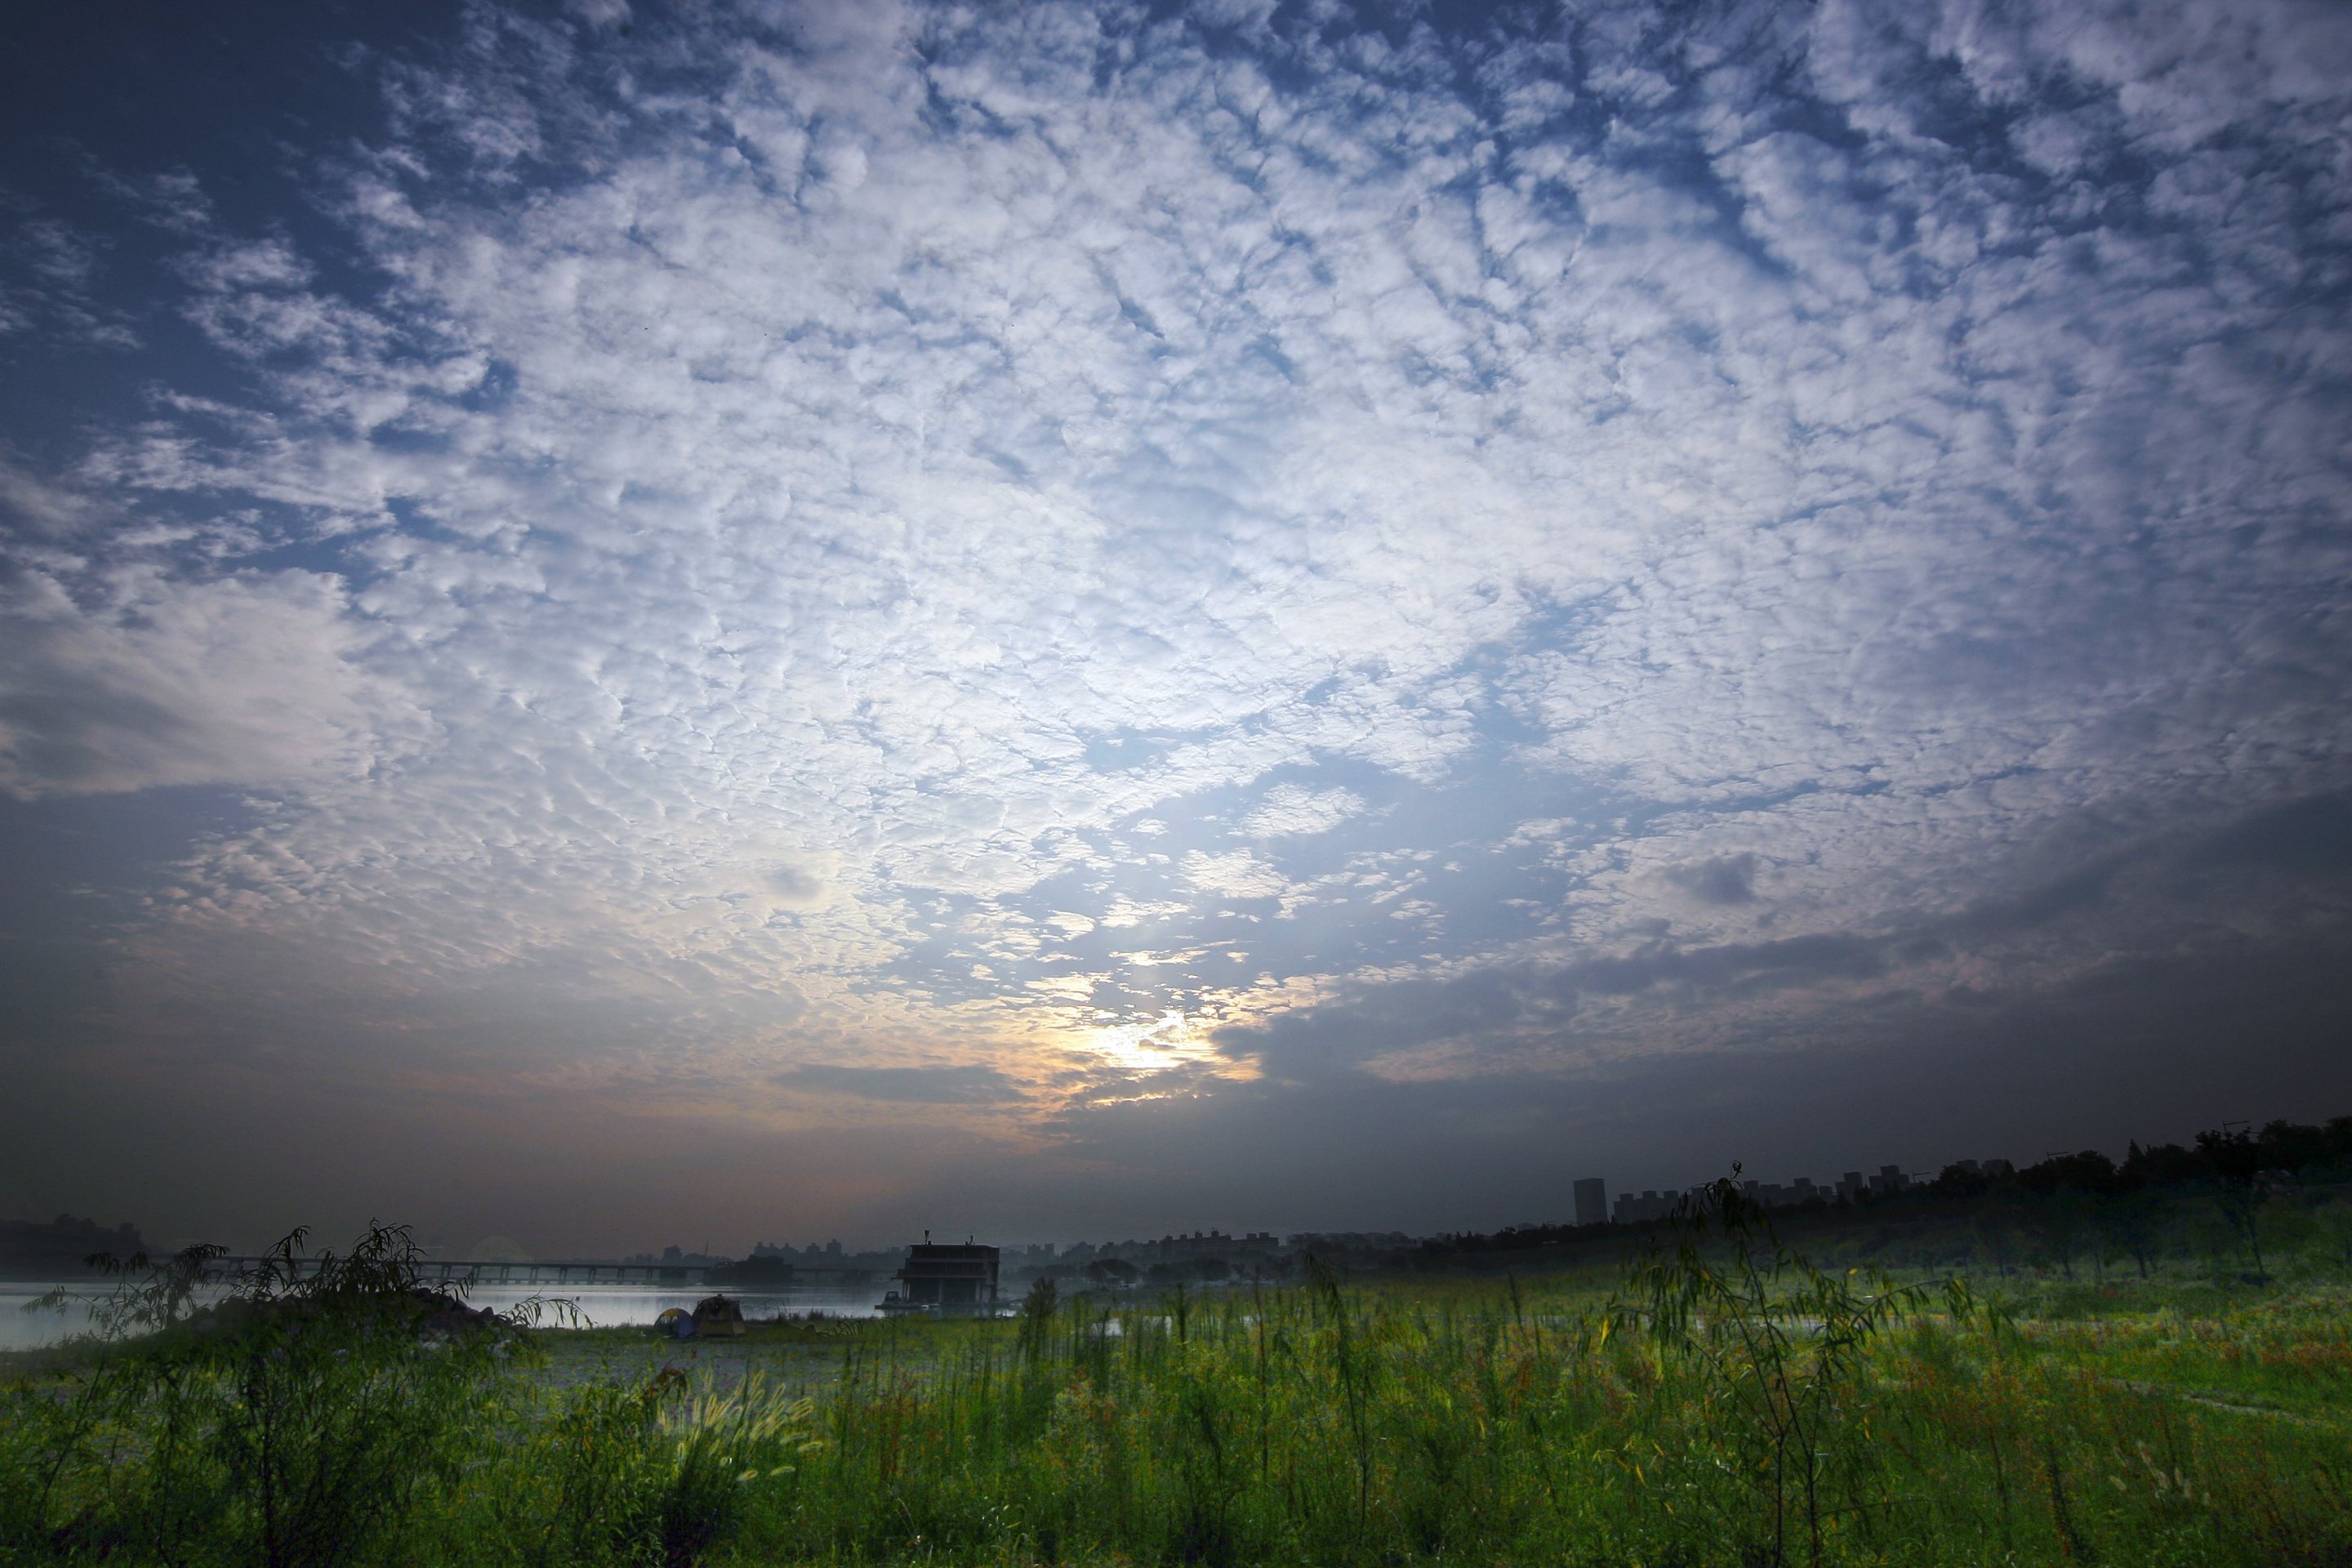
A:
x: 55, y: 1250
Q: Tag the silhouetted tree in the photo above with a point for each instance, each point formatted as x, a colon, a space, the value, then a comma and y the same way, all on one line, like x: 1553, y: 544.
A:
x: 2132, y: 1220
x: 2165, y: 1162
x: 1955, y: 1181
x: 2336, y: 1223
x: 2060, y: 1221
x: 1996, y: 1235
x: 2307, y: 1153
x: 2088, y: 1172
x: 2235, y: 1160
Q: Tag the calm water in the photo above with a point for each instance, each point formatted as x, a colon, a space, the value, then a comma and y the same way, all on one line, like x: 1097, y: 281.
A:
x: 602, y: 1306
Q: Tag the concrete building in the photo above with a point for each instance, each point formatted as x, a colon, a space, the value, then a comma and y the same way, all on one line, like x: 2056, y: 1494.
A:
x: 1592, y: 1201
x: 1650, y: 1205
x: 1207, y: 1244
x: 954, y: 1278
x: 1774, y: 1196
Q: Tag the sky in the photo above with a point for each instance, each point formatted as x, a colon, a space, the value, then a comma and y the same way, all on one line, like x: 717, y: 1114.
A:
x: 746, y: 621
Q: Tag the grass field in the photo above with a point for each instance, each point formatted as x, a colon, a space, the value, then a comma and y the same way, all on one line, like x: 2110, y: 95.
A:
x: 1720, y: 1402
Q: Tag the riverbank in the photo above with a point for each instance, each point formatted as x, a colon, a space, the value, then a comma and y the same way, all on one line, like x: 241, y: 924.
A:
x: 1707, y: 1407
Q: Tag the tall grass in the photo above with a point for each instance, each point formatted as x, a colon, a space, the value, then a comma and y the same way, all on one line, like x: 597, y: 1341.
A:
x: 1725, y: 1402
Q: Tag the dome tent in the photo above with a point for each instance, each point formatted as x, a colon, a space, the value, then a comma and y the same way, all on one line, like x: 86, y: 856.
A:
x: 717, y: 1315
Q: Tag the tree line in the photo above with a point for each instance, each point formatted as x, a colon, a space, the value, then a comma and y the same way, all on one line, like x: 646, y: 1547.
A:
x: 2260, y: 1185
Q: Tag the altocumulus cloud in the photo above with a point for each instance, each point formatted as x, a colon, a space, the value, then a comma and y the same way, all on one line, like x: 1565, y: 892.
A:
x: 1078, y: 555
x: 922, y: 1086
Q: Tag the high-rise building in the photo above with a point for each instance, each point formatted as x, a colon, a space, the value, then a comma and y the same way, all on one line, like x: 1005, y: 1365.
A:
x: 1649, y: 1205
x: 1592, y: 1201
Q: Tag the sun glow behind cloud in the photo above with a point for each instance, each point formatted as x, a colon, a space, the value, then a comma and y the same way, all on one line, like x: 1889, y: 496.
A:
x: 1146, y: 1049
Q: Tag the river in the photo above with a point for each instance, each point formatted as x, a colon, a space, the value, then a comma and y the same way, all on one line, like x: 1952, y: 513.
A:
x: 598, y: 1306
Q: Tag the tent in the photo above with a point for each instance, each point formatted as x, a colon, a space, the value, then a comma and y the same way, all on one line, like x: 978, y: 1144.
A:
x: 717, y: 1315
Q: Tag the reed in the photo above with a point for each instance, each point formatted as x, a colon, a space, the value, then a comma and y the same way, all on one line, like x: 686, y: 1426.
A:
x: 1724, y: 1400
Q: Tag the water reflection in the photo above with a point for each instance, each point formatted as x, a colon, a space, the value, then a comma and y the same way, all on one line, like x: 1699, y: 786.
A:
x: 597, y: 1306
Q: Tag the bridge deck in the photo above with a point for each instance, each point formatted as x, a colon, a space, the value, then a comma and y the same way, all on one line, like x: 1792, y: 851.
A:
x: 489, y: 1272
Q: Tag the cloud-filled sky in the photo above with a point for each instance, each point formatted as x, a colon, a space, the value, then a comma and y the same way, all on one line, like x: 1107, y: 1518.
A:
x: 795, y: 620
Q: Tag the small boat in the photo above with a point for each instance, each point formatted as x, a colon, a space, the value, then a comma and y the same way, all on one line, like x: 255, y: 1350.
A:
x: 894, y: 1305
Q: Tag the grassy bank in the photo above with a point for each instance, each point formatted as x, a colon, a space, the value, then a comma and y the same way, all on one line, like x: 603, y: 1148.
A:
x: 1722, y: 1402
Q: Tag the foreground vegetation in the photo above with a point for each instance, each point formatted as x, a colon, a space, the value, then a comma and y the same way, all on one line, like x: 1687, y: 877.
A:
x: 1721, y: 1401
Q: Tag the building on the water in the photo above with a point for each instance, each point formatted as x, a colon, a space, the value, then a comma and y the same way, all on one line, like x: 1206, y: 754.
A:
x: 949, y: 1278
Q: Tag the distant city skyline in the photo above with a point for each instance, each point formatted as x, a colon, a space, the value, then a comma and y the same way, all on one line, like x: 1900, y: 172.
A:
x: 1594, y: 1202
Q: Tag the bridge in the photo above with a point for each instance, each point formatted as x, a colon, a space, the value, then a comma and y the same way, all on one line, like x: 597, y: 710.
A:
x: 492, y: 1271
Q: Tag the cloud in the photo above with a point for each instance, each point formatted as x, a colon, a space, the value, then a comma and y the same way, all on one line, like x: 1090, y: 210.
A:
x: 1290, y: 809
x: 1236, y: 874
x: 798, y: 887
x: 2205, y: 891
x: 38, y: 506
x: 912, y: 1085
x: 2120, y: 1052
x: 1476, y: 556
x: 52, y: 275
x: 246, y: 681
x: 1726, y: 879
